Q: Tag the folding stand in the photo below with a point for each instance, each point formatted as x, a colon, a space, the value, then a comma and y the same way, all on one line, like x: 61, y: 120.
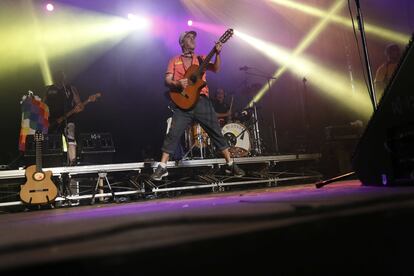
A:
x: 100, y: 183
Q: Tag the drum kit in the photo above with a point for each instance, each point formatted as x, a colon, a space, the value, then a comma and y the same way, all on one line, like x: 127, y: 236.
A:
x: 242, y: 135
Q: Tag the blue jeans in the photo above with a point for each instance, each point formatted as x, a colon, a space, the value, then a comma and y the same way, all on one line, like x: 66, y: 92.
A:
x: 202, y: 113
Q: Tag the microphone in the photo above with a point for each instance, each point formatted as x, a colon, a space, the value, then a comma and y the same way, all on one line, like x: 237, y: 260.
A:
x: 244, y: 68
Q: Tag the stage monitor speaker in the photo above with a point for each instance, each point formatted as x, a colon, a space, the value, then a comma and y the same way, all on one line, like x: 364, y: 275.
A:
x: 385, y: 153
x: 52, y: 151
x: 96, y: 148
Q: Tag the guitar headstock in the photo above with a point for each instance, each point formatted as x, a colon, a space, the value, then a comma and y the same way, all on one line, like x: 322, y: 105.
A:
x: 94, y: 97
x: 229, y: 33
x: 38, y: 136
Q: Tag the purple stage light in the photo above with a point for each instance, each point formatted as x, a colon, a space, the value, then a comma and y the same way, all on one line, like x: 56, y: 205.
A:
x: 190, y: 22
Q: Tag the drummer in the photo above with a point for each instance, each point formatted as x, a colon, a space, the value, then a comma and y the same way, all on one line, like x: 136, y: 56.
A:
x: 223, y: 110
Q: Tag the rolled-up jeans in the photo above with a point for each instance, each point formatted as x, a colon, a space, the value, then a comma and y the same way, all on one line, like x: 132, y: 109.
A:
x: 202, y: 113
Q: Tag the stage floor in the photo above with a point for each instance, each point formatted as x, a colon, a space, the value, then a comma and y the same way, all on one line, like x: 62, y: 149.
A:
x: 214, y: 232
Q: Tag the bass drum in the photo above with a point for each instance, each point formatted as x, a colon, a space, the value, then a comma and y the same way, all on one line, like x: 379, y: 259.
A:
x: 238, y: 138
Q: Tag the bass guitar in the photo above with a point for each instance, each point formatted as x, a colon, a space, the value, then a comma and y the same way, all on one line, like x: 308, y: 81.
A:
x: 188, y: 97
x: 39, y: 187
x: 59, y: 120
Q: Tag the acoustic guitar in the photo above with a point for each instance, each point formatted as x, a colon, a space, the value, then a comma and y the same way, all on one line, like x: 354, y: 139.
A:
x: 39, y: 187
x: 59, y: 120
x: 188, y: 97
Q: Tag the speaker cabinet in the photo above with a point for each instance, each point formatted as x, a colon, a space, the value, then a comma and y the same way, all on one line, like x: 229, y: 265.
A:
x: 385, y: 153
x: 96, y: 148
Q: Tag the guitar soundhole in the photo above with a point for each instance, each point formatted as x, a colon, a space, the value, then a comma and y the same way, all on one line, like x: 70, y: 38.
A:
x: 193, y: 78
x: 38, y: 176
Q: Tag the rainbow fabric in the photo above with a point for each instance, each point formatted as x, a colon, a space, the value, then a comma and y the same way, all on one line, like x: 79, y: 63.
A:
x: 35, y: 117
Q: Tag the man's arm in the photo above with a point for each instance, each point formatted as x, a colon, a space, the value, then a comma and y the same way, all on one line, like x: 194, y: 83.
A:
x: 175, y: 84
x: 215, y: 67
x: 76, y: 98
x: 223, y: 115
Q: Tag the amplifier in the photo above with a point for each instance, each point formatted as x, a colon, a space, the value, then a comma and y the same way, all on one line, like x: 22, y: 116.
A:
x: 96, y: 148
x: 350, y: 131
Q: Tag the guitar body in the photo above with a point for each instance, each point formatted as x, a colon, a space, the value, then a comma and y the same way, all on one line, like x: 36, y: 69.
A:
x: 188, y: 98
x: 39, y: 187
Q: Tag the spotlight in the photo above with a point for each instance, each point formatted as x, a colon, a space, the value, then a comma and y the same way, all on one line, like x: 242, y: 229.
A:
x: 190, y: 22
x: 138, y: 22
x: 50, y: 7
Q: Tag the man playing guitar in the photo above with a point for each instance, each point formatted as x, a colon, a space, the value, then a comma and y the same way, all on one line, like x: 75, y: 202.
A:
x: 202, y: 112
x: 62, y: 98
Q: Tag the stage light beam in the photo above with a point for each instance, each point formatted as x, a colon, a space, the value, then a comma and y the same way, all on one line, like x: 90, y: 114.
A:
x: 303, y: 45
x: 331, y: 82
x: 370, y: 29
x: 30, y: 38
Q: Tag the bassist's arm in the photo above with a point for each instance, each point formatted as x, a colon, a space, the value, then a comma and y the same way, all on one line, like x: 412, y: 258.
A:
x: 76, y: 98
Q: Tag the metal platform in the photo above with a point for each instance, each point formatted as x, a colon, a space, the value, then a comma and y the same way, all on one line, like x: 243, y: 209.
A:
x: 184, y: 175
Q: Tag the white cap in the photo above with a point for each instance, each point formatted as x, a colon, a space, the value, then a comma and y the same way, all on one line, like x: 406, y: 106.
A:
x: 183, y: 34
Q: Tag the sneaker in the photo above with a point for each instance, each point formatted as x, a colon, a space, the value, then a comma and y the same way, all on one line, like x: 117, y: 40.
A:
x: 235, y: 170
x: 159, y: 173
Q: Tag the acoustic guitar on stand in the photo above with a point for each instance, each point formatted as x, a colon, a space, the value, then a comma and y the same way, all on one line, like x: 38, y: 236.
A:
x: 39, y: 187
x: 188, y: 97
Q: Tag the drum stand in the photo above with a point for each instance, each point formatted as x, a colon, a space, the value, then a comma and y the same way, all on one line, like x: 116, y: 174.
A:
x: 200, y: 140
x: 256, y: 133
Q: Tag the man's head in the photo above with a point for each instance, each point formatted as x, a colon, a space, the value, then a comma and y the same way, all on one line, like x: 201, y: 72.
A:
x: 59, y: 77
x: 187, y: 41
x: 220, y: 94
x: 393, y: 53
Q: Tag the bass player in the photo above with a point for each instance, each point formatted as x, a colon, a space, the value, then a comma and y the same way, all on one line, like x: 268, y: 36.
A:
x: 61, y: 98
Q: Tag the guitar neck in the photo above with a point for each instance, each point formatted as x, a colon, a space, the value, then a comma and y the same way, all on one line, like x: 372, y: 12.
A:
x: 70, y: 113
x: 38, y: 156
x: 206, y: 61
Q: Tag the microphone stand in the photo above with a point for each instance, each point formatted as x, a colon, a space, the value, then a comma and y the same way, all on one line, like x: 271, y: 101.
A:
x: 268, y: 79
x: 371, y: 88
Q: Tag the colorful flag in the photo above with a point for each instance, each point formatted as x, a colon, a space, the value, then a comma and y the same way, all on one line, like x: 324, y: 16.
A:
x: 35, y: 117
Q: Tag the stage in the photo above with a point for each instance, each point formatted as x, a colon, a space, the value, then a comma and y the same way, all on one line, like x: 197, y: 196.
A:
x: 295, y: 229
x: 82, y: 184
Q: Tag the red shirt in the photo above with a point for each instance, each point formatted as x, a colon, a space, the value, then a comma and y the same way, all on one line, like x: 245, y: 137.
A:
x: 177, y: 68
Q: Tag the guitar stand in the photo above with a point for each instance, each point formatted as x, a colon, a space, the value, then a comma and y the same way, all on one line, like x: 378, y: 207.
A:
x: 100, y: 183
